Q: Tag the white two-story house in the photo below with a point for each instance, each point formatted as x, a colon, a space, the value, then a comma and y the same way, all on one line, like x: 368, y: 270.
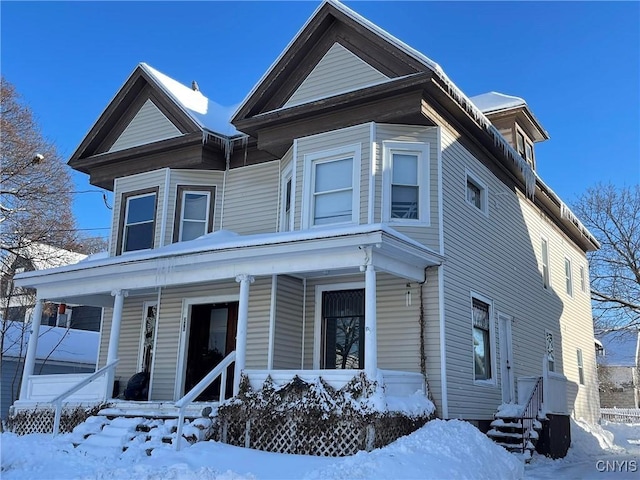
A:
x: 356, y: 213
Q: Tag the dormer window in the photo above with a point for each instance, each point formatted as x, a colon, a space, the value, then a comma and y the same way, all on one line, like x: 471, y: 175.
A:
x: 138, y: 214
x: 524, y: 146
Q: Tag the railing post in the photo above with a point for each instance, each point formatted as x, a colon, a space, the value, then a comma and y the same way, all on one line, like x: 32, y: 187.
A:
x: 370, y: 323
x: 30, y: 358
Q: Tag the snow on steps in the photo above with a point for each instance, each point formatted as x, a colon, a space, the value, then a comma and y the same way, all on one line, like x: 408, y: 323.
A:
x: 509, y: 431
x: 102, y: 436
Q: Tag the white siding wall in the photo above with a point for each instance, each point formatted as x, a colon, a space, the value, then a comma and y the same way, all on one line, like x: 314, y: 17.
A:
x: 134, y: 183
x: 427, y: 235
x: 497, y: 256
x: 339, y: 71
x: 206, y: 178
x: 149, y: 125
x: 251, y: 199
x: 357, y: 135
x: 288, y: 324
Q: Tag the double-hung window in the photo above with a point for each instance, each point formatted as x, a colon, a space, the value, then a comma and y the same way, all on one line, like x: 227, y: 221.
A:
x: 406, y: 180
x: 546, y: 278
x: 580, y: 366
x: 477, y: 193
x: 333, y: 180
x: 481, y: 318
x: 138, y: 214
x: 194, y: 212
x: 568, y: 276
x: 286, y: 209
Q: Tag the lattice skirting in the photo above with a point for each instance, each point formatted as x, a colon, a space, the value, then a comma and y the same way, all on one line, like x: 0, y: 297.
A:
x: 334, y: 438
x: 40, y: 419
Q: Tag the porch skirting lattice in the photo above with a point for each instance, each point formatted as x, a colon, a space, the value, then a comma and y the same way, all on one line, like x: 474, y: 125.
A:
x: 311, y: 419
x: 40, y: 419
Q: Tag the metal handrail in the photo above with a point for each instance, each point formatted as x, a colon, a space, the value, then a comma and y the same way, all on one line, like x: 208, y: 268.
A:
x: 57, y: 401
x: 531, y: 410
x: 219, y: 371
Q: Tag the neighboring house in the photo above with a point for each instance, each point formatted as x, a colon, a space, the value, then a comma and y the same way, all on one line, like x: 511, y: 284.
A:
x: 16, y: 303
x: 359, y: 214
x: 60, y: 351
x: 618, y: 362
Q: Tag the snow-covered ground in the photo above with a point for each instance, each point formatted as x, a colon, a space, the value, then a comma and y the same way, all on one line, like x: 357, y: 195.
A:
x: 439, y: 450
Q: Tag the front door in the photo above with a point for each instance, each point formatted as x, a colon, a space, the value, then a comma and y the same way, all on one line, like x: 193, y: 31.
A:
x: 212, y: 336
x: 343, y: 329
x: 506, y: 359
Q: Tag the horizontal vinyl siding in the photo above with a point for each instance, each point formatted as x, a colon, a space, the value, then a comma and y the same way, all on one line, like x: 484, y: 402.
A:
x: 149, y: 125
x: 358, y: 135
x: 339, y: 71
x: 251, y: 199
x: 206, y: 178
x: 134, y: 183
x: 287, y: 350
x: 495, y: 256
x: 427, y: 235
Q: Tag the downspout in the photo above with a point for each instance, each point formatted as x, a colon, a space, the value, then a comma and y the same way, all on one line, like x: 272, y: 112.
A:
x: 224, y: 192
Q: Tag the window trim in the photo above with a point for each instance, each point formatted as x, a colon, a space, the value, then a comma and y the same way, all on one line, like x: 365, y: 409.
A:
x: 492, y: 381
x: 286, y: 177
x: 580, y: 362
x: 583, y: 279
x: 568, y: 276
x: 124, y: 201
x: 353, y: 151
x: 484, y: 192
x: 422, y: 149
x: 545, y: 279
x: 177, y: 217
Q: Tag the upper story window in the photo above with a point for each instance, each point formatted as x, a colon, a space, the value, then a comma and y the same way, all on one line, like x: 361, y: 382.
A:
x: 332, y: 180
x: 286, y: 211
x: 546, y: 278
x: 568, y: 276
x: 583, y: 279
x: 137, y: 220
x: 524, y: 146
x: 194, y: 212
x: 406, y: 182
x: 477, y: 193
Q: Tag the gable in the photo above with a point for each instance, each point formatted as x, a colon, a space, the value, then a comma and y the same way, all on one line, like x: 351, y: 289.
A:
x: 147, y: 126
x: 339, y: 71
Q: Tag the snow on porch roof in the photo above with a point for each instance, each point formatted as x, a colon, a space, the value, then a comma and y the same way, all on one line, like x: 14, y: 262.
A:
x: 206, y: 113
x: 496, y: 101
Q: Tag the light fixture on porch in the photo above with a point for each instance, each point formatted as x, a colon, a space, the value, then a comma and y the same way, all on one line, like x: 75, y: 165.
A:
x: 407, y: 296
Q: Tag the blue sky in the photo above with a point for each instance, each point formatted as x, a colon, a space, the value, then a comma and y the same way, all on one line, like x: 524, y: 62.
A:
x: 575, y: 63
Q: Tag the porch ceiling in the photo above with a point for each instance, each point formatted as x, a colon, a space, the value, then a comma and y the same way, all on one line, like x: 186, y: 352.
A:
x: 222, y: 255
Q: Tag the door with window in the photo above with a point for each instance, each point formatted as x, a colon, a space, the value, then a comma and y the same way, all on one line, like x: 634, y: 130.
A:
x: 211, y: 337
x: 343, y: 329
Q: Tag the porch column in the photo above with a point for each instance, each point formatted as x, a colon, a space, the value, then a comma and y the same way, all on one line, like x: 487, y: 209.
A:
x: 241, y: 333
x: 370, y: 330
x: 30, y: 358
x: 114, y: 336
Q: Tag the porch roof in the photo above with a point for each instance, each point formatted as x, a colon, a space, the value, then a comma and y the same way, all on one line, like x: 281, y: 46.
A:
x: 224, y: 255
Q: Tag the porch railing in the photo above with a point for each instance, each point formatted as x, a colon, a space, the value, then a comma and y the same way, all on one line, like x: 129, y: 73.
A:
x: 57, y: 401
x: 531, y: 410
x: 219, y: 371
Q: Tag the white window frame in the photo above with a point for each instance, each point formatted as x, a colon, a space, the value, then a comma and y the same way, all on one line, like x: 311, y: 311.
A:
x: 568, y: 276
x: 287, y: 176
x: 549, y: 351
x: 125, y: 224
x: 484, y: 192
x: 182, y: 207
x: 546, y: 279
x: 583, y: 279
x: 310, y: 161
x: 580, y: 362
x: 492, y: 341
x: 422, y: 150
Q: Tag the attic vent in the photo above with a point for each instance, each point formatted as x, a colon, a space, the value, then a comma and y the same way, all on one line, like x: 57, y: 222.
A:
x: 194, y: 86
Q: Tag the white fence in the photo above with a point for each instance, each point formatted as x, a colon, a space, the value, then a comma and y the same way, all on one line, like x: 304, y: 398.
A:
x: 621, y: 415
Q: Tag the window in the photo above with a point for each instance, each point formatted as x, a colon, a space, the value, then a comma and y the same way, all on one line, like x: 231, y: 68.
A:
x: 286, y: 201
x: 524, y: 147
x: 520, y: 144
x: 406, y: 180
x: 333, y: 183
x: 545, y: 263
x: 580, y: 367
x: 476, y: 192
x: 551, y: 360
x: 481, y: 318
x: 568, y: 277
x: 138, y: 212
x: 583, y: 279
x: 194, y: 212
